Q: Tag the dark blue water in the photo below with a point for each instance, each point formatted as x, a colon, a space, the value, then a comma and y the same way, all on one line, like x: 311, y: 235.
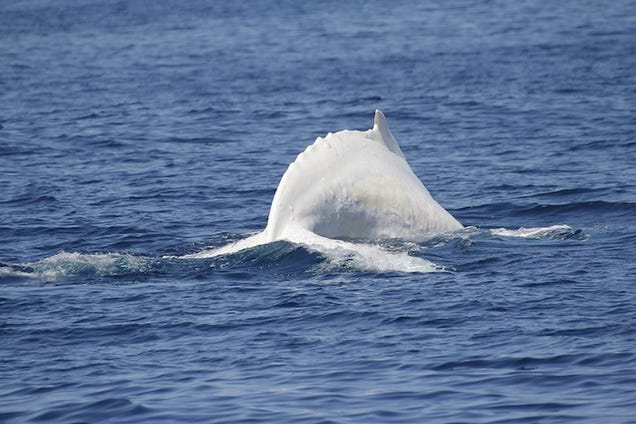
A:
x: 132, y: 132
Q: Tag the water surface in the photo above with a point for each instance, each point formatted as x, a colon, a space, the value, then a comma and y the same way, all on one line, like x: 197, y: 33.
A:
x: 132, y: 133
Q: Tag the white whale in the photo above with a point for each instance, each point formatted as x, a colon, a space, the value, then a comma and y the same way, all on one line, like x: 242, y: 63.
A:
x: 355, y: 185
x: 352, y: 185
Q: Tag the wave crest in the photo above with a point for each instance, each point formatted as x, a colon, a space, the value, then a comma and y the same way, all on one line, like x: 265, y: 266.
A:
x: 73, y: 264
x: 554, y: 232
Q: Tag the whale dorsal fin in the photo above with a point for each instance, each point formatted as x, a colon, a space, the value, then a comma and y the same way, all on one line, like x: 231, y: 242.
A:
x: 381, y: 129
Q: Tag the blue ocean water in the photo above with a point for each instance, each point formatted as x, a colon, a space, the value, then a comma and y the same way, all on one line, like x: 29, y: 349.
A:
x: 134, y: 132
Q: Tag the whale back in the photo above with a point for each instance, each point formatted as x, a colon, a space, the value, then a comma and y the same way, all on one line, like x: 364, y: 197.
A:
x: 355, y: 185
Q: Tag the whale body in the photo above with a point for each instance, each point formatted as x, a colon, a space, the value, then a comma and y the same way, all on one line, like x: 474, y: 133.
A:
x: 355, y: 185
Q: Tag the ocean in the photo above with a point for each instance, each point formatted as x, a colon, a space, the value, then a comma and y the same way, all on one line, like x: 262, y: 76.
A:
x: 135, y: 135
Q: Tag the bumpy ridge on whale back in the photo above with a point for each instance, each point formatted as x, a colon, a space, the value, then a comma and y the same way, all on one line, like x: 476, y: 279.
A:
x: 355, y: 184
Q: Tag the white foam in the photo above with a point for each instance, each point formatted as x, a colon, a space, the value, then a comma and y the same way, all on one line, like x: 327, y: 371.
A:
x: 246, y: 243
x: 362, y: 256
x: 7, y: 271
x: 532, y: 232
x: 65, y: 264
x: 366, y: 257
x: 338, y: 253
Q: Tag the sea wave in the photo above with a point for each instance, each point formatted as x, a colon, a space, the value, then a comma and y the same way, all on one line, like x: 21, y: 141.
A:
x: 308, y: 254
x: 553, y: 232
x: 74, y: 264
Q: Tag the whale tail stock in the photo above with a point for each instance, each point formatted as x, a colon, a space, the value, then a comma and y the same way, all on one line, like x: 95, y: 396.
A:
x: 355, y: 185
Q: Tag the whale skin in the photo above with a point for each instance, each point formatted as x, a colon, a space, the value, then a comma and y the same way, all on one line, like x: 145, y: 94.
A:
x: 355, y: 185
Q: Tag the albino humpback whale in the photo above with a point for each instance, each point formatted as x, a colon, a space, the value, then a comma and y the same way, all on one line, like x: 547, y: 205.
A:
x: 351, y: 185
x: 355, y: 184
